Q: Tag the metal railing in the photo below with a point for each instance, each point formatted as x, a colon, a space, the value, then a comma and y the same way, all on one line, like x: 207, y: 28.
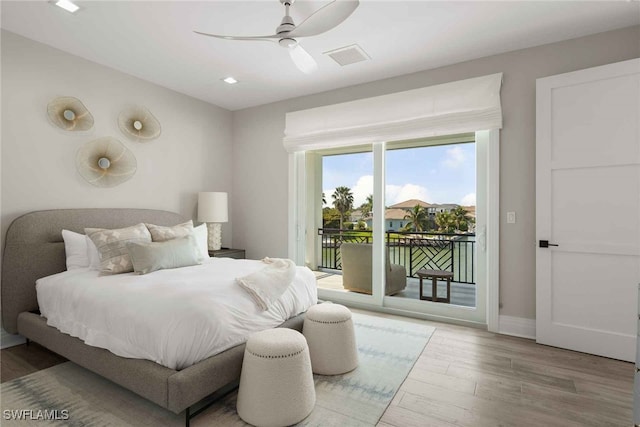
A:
x: 415, y: 251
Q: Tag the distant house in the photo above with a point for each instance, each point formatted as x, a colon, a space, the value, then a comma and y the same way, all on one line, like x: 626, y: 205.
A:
x: 436, y: 209
x: 355, y: 216
x: 393, y: 219
x: 394, y: 215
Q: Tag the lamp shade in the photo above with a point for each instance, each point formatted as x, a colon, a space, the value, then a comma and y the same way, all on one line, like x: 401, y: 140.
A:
x: 212, y: 207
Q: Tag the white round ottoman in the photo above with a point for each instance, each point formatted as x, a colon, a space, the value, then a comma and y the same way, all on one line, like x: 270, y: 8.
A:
x: 328, y: 329
x: 276, y: 383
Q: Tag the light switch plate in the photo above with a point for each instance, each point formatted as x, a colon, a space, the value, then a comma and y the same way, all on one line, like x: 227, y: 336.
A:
x: 511, y: 217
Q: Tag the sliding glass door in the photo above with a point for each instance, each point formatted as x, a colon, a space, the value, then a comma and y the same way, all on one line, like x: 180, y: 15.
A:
x: 382, y: 218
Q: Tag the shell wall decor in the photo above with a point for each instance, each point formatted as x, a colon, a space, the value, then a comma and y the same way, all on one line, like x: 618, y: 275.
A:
x: 105, y: 162
x: 69, y: 113
x: 138, y: 124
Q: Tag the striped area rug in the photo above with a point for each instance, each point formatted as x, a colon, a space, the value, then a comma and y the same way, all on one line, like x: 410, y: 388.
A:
x: 387, y: 350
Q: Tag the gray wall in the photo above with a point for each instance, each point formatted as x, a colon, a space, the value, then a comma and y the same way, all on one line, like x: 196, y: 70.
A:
x: 38, y: 160
x: 260, y: 165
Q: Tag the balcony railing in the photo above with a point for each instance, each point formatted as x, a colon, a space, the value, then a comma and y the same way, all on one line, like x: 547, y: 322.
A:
x: 415, y: 251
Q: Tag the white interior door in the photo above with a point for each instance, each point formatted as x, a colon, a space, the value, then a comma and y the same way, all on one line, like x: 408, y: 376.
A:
x: 588, y: 203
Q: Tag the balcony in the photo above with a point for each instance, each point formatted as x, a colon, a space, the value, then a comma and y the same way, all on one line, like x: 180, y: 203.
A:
x: 415, y: 251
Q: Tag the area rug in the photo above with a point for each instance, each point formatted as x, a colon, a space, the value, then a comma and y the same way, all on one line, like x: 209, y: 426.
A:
x: 387, y: 351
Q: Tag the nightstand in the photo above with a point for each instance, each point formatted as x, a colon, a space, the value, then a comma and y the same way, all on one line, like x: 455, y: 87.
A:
x: 228, y: 253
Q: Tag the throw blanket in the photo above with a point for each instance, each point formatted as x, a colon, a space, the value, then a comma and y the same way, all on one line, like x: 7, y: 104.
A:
x: 268, y: 284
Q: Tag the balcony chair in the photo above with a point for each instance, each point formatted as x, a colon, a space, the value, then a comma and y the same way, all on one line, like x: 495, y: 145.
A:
x: 356, y: 270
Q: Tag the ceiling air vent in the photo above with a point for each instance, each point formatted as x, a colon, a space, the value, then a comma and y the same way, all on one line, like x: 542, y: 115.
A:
x: 348, y: 55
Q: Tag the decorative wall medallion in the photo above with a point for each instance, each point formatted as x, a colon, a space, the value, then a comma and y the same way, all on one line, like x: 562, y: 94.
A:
x: 105, y: 162
x: 69, y: 113
x: 138, y: 124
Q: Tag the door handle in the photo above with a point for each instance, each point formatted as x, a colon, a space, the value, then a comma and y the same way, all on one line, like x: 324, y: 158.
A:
x: 546, y: 244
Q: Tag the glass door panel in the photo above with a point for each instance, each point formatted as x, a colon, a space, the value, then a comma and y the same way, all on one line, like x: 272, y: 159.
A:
x: 430, y: 223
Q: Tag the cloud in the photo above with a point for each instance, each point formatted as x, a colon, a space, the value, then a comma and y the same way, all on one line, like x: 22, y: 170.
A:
x: 455, y: 158
x: 400, y: 193
x: 360, y: 191
x: 469, y: 200
x: 393, y: 194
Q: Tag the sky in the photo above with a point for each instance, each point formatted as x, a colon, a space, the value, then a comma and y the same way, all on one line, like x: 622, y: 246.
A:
x: 434, y: 174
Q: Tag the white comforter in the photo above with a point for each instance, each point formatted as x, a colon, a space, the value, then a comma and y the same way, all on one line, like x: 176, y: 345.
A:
x: 174, y: 317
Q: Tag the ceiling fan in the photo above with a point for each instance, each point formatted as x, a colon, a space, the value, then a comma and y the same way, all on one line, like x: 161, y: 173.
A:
x: 322, y: 20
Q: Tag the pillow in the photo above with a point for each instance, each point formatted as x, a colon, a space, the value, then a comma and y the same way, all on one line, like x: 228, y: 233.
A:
x: 202, y: 239
x: 174, y: 253
x: 162, y: 234
x: 93, y: 254
x: 75, y: 247
x: 112, y: 246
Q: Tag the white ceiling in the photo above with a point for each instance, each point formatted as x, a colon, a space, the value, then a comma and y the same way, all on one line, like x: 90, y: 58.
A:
x: 154, y: 40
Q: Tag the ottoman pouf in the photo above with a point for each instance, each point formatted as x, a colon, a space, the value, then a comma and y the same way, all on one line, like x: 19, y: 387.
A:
x: 276, y: 382
x: 328, y: 329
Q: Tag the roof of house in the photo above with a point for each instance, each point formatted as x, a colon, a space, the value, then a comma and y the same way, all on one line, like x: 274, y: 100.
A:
x: 410, y: 204
x: 394, y: 214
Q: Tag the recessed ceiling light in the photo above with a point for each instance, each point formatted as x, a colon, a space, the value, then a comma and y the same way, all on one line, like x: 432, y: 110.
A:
x: 67, y: 5
x: 230, y: 80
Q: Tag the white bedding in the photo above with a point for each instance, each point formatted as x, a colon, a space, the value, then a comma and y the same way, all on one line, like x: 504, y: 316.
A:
x: 173, y: 317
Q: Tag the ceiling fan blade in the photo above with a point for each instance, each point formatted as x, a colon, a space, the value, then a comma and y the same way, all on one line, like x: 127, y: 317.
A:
x: 325, y: 18
x: 241, y: 38
x: 302, y: 59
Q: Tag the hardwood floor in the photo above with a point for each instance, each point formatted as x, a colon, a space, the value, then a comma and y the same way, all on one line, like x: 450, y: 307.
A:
x: 470, y: 377
x: 23, y: 359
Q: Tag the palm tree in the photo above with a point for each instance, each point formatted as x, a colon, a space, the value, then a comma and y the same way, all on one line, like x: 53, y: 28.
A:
x: 342, y: 201
x: 446, y: 222
x: 367, y: 206
x: 461, y: 218
x: 417, y: 218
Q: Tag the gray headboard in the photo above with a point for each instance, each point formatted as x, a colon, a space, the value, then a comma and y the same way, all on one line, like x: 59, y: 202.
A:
x: 34, y: 248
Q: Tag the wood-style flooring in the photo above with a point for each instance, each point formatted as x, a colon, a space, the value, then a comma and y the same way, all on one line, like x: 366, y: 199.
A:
x: 470, y: 377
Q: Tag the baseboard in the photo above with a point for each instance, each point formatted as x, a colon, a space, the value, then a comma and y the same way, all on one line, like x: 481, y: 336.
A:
x: 518, y: 327
x: 10, y: 340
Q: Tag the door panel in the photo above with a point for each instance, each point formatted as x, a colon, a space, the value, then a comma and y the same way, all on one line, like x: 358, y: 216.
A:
x: 588, y: 203
x: 597, y: 291
x: 588, y: 207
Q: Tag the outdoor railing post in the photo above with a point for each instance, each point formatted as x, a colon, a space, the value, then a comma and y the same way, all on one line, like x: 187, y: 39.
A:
x: 452, y: 243
x: 335, y: 254
x: 410, y: 257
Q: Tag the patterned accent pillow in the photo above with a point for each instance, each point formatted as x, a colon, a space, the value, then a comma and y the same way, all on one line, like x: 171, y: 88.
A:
x: 160, y: 233
x: 112, y: 246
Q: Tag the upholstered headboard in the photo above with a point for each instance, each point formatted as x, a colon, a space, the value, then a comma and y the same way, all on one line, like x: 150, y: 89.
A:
x: 34, y: 248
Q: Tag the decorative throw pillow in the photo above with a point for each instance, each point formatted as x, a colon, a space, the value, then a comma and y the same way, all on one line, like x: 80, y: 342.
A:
x: 75, y: 248
x: 112, y: 246
x: 148, y: 257
x: 160, y: 233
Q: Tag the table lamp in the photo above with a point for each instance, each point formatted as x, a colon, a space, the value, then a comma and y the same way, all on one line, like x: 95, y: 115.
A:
x: 213, y: 209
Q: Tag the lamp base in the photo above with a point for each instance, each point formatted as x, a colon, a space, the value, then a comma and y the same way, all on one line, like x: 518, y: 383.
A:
x: 214, y: 236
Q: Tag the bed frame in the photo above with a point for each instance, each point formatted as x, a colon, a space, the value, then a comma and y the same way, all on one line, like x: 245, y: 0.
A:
x: 34, y: 248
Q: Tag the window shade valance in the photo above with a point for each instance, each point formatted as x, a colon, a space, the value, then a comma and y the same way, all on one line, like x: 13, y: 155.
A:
x: 463, y: 106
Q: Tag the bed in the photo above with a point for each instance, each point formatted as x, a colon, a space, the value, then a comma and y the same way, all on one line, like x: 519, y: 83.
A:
x: 34, y: 249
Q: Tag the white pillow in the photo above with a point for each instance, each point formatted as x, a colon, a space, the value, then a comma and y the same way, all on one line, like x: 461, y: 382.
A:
x: 202, y: 242
x: 92, y: 254
x: 75, y: 247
